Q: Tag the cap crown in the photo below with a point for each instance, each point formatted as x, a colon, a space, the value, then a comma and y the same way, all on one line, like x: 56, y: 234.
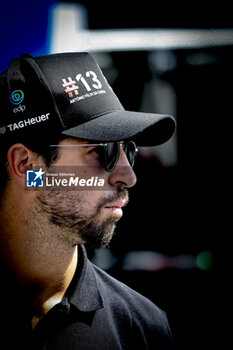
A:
x: 54, y: 92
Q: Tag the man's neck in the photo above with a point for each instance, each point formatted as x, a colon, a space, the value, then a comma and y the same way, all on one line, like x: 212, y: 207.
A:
x: 41, y: 264
x: 40, y: 291
x: 53, y: 291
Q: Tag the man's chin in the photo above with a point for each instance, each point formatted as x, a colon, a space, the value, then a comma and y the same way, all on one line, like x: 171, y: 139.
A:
x: 100, y: 236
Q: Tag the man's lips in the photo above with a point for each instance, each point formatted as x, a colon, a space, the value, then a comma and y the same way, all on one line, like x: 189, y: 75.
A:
x: 115, y: 207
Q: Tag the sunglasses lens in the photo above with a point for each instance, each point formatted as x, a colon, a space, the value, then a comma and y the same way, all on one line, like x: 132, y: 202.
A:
x: 112, y: 152
x: 131, y: 152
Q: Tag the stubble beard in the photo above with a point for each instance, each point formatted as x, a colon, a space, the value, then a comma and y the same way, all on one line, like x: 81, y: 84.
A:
x: 69, y: 213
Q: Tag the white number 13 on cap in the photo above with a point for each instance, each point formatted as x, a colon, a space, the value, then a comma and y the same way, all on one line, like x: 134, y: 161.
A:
x: 89, y: 74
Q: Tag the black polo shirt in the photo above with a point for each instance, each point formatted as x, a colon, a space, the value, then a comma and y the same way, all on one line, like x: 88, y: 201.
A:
x: 98, y: 313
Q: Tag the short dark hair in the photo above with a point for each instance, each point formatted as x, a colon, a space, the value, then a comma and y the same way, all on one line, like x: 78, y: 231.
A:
x: 43, y: 149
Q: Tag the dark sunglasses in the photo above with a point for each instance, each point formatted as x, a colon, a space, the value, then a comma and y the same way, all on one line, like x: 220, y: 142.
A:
x: 109, y: 152
x: 109, y: 155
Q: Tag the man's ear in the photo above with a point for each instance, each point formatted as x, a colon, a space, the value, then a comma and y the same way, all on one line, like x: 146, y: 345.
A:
x: 20, y: 158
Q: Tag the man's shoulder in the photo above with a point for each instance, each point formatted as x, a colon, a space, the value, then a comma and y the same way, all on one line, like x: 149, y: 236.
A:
x: 127, y: 300
x: 121, y: 315
x: 108, y: 283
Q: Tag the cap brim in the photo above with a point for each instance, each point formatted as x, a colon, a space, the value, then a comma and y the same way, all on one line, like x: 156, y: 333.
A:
x: 145, y: 128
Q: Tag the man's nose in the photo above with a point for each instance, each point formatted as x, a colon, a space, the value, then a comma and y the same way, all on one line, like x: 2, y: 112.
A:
x: 123, y: 175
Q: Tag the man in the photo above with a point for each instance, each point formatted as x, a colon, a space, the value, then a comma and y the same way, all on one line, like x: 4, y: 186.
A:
x: 58, y: 111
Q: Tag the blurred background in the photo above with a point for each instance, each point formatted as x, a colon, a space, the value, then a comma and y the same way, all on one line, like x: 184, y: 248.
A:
x: 172, y: 244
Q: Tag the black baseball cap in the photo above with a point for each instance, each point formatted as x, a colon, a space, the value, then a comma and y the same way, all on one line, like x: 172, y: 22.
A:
x: 68, y: 94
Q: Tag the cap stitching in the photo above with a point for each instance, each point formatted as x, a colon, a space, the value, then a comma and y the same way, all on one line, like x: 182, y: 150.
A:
x: 43, y: 80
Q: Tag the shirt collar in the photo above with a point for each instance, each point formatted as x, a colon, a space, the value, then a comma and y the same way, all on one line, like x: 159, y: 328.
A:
x: 84, y: 290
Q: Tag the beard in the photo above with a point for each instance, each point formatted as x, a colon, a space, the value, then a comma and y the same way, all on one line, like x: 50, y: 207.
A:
x: 69, y: 212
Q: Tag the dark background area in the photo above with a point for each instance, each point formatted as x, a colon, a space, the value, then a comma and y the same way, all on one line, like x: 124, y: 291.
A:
x: 178, y: 209
x: 157, y: 14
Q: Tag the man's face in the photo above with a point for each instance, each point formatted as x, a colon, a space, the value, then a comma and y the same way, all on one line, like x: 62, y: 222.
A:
x: 87, y: 215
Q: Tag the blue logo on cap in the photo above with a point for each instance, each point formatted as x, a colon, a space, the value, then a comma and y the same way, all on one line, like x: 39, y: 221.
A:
x: 16, y: 97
